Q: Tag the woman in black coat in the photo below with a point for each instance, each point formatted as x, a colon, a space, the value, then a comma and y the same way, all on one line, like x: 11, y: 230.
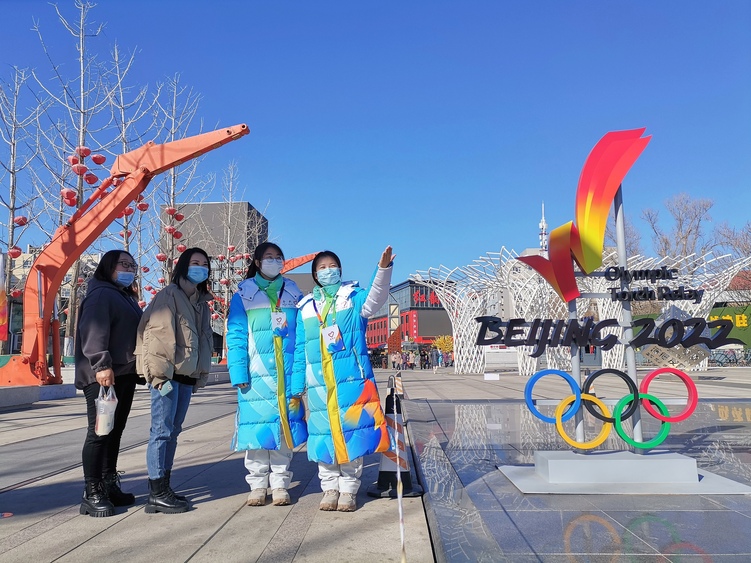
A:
x: 105, y: 342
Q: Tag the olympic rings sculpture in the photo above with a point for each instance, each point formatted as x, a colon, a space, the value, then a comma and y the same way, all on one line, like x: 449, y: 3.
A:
x: 623, y: 410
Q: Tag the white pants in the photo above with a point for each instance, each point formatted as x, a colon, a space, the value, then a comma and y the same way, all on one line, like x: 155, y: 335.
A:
x: 268, y: 468
x: 342, y: 477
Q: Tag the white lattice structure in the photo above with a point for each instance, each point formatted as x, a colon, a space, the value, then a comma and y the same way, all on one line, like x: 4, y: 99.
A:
x: 463, y: 301
x: 472, y: 291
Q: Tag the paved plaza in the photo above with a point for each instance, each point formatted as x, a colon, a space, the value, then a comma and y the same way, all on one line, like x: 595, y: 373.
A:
x: 462, y: 428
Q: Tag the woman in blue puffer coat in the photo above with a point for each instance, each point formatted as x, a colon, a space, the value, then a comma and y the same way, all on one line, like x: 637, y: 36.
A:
x: 346, y: 421
x: 261, y: 330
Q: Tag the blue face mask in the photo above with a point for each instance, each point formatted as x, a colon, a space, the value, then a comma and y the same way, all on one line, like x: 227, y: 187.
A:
x: 329, y: 276
x: 197, y: 274
x: 125, y: 279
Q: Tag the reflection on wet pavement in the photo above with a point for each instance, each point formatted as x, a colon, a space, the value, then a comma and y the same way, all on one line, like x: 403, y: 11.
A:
x: 477, y: 514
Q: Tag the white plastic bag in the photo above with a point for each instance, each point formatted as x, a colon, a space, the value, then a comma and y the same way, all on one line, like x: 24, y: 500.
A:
x: 106, y: 404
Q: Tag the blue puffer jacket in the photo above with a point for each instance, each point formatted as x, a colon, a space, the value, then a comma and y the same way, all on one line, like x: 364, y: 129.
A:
x: 345, y: 420
x: 251, y: 359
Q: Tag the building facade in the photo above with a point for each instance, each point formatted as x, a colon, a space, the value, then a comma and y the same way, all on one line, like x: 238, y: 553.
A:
x: 422, y: 318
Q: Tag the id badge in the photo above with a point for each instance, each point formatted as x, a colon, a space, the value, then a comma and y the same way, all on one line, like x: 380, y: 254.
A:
x: 279, y: 323
x: 332, y: 338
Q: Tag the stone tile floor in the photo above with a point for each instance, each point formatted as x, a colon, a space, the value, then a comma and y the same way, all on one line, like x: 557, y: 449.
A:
x: 476, y: 514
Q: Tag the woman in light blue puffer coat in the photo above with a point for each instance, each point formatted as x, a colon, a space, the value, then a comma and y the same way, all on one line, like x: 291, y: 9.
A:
x: 270, y: 418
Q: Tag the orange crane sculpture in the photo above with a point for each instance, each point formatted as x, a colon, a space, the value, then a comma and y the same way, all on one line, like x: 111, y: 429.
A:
x: 135, y: 169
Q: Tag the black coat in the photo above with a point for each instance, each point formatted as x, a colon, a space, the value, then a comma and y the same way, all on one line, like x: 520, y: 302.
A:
x: 106, y: 332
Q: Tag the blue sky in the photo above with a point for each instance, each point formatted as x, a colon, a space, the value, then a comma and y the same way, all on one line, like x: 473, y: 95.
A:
x: 440, y: 127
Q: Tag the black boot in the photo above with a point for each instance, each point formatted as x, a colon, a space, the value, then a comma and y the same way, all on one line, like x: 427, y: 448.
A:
x: 161, y: 499
x: 95, y: 501
x: 167, y: 475
x: 114, y: 492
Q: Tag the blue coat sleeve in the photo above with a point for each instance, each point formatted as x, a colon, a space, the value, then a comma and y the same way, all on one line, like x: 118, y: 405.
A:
x: 237, y: 342
x: 300, y: 362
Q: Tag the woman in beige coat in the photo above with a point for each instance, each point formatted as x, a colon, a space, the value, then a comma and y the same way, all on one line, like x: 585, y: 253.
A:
x: 173, y: 352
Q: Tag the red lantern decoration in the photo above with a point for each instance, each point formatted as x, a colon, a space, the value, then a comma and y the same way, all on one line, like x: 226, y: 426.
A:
x: 170, y: 229
x: 20, y: 220
x: 148, y: 287
x: 232, y: 259
x: 224, y: 281
x: 142, y: 304
x: 161, y: 256
x: 175, y: 261
x: 170, y: 211
x: 68, y: 193
x: 90, y: 178
x: 161, y: 280
x: 80, y: 281
x: 246, y: 256
x: 79, y: 169
x: 142, y: 206
x: 215, y: 316
x: 144, y: 269
x: 121, y: 215
x: 72, y: 202
x: 98, y: 158
x: 14, y: 252
x: 83, y: 151
x: 72, y: 159
x: 221, y: 257
x: 179, y: 216
x: 181, y: 248
x: 178, y: 235
x: 125, y: 234
x: 104, y: 194
x: 128, y: 210
x: 153, y: 292
x: 231, y: 248
x: 15, y: 293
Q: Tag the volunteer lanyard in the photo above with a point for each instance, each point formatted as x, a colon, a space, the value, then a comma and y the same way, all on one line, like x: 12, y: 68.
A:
x: 271, y: 297
x: 322, y: 317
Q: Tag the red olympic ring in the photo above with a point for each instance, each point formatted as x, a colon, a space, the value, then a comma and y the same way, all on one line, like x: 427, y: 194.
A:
x: 674, y: 548
x: 693, y: 395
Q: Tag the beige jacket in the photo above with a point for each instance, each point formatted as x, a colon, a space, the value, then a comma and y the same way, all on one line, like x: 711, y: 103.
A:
x: 175, y: 336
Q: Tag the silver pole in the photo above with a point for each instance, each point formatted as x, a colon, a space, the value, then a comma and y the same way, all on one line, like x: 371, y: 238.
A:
x: 576, y: 372
x: 628, y: 332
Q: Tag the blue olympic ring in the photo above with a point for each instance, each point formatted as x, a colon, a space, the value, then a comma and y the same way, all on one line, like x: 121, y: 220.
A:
x: 574, y: 389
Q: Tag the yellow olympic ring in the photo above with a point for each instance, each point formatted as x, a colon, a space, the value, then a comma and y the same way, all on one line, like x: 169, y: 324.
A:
x: 601, y: 437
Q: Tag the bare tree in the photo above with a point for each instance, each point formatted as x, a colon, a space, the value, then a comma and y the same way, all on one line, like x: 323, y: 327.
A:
x: 133, y: 119
x: 688, y: 232
x: 15, y: 134
x: 633, y: 237
x: 175, y: 114
x: 75, y: 117
x: 234, y: 231
x: 737, y: 242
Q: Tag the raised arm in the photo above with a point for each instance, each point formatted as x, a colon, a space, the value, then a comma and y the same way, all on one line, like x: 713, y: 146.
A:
x: 379, y: 287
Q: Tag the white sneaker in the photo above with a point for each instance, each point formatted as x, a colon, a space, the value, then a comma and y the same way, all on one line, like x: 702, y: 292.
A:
x: 257, y: 497
x: 329, y: 500
x: 347, y: 502
x: 280, y: 497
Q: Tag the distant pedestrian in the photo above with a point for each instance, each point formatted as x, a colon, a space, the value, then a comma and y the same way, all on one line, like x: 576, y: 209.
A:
x: 261, y: 330
x: 105, y: 342
x: 346, y: 421
x: 173, y: 352
x: 434, y: 359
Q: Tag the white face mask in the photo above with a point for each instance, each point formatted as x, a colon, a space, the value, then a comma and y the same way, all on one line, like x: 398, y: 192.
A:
x: 270, y: 267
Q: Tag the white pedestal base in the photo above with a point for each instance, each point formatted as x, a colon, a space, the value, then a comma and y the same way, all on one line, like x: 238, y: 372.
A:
x: 617, y: 472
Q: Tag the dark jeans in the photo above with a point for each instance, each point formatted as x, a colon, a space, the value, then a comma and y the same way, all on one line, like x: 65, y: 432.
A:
x: 100, y: 452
